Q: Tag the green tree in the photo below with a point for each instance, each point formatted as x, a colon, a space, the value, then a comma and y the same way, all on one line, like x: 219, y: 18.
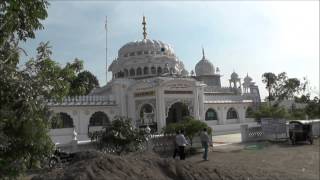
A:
x: 305, y: 98
x: 280, y: 87
x: 271, y: 112
x: 23, y: 123
x: 313, y: 108
x: 18, y: 22
x: 24, y: 117
x: 270, y: 80
x: 23, y: 126
x: 191, y: 126
x: 52, y: 79
x: 83, y: 84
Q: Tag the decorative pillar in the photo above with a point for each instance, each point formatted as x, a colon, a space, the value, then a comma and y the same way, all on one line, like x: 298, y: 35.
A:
x: 223, y: 115
x: 131, y: 108
x: 201, y: 104
x: 196, y: 104
x: 160, y: 115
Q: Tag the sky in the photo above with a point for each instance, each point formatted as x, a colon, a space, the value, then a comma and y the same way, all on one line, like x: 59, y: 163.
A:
x: 251, y: 37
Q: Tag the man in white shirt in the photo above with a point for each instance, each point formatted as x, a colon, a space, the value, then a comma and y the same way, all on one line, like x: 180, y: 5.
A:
x: 181, y: 142
x: 205, y: 141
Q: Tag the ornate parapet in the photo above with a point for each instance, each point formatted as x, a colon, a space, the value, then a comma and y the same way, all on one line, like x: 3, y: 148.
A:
x: 83, y: 101
x: 218, y: 89
x: 227, y: 99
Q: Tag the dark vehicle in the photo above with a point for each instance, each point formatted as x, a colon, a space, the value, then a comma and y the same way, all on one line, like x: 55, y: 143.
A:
x: 300, y: 131
x: 60, y: 157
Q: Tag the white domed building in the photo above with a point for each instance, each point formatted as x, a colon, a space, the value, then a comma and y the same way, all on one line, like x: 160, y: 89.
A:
x: 151, y: 86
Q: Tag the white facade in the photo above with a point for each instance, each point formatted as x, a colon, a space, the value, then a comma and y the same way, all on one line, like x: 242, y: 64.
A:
x: 151, y: 86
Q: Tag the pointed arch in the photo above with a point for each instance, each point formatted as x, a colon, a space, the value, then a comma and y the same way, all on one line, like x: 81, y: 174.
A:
x: 132, y: 72
x: 139, y: 71
x: 145, y: 70
x: 99, y: 118
x: 61, y: 120
x: 232, y: 114
x: 211, y: 114
x: 159, y: 70
x: 153, y: 70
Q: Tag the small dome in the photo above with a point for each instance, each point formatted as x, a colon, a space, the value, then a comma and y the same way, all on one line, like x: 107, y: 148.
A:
x: 234, y: 76
x: 247, y: 79
x: 204, y: 67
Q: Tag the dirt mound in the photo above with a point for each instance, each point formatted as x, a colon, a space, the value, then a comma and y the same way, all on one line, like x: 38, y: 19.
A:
x: 86, y: 155
x: 147, y: 166
x: 89, y: 166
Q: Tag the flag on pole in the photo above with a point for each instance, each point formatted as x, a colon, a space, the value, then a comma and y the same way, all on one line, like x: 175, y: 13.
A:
x: 106, y: 51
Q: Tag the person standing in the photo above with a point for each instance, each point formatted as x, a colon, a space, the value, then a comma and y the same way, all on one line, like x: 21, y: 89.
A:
x: 205, y: 141
x: 176, y: 148
x: 181, y: 142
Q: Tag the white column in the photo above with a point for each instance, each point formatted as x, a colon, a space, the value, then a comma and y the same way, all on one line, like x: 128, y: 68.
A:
x: 131, y: 108
x: 222, y: 115
x: 196, y: 104
x: 123, y: 101
x: 201, y: 105
x: 85, y: 118
x: 242, y: 114
x: 160, y: 115
x: 162, y: 111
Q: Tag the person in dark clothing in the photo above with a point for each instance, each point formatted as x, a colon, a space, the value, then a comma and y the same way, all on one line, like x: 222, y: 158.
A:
x: 176, y: 148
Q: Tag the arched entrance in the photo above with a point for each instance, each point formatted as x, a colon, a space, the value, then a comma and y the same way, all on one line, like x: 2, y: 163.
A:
x: 176, y: 112
x: 146, y: 116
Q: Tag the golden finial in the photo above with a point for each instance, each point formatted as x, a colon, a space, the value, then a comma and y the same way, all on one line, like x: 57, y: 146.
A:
x: 144, y: 28
x: 203, y: 55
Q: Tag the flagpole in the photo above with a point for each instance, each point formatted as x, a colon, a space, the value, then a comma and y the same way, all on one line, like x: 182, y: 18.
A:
x: 106, y: 51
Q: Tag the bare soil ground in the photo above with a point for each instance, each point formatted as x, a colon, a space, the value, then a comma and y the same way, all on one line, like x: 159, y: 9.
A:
x: 263, y: 160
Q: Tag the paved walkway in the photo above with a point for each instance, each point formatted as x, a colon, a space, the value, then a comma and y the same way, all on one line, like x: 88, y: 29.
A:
x: 227, y: 143
x: 226, y: 139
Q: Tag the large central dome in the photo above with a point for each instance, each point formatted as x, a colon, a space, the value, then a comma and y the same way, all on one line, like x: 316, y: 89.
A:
x: 145, y: 58
x: 145, y: 47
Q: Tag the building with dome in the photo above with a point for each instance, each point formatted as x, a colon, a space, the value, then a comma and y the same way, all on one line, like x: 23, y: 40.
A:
x: 151, y: 86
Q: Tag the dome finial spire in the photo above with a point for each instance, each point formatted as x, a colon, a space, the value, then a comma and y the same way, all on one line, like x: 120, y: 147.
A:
x: 144, y: 23
x: 203, y: 55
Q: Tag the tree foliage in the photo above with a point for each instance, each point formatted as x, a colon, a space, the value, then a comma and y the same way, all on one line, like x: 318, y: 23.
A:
x: 18, y: 21
x: 313, y: 108
x: 23, y: 123
x: 83, y: 84
x: 120, y: 137
x: 21, y: 17
x: 24, y: 117
x: 280, y: 87
x: 266, y: 111
x: 53, y: 81
x: 191, y: 127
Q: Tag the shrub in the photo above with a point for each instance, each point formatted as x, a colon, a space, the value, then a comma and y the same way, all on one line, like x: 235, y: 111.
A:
x: 120, y: 137
x: 191, y: 126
